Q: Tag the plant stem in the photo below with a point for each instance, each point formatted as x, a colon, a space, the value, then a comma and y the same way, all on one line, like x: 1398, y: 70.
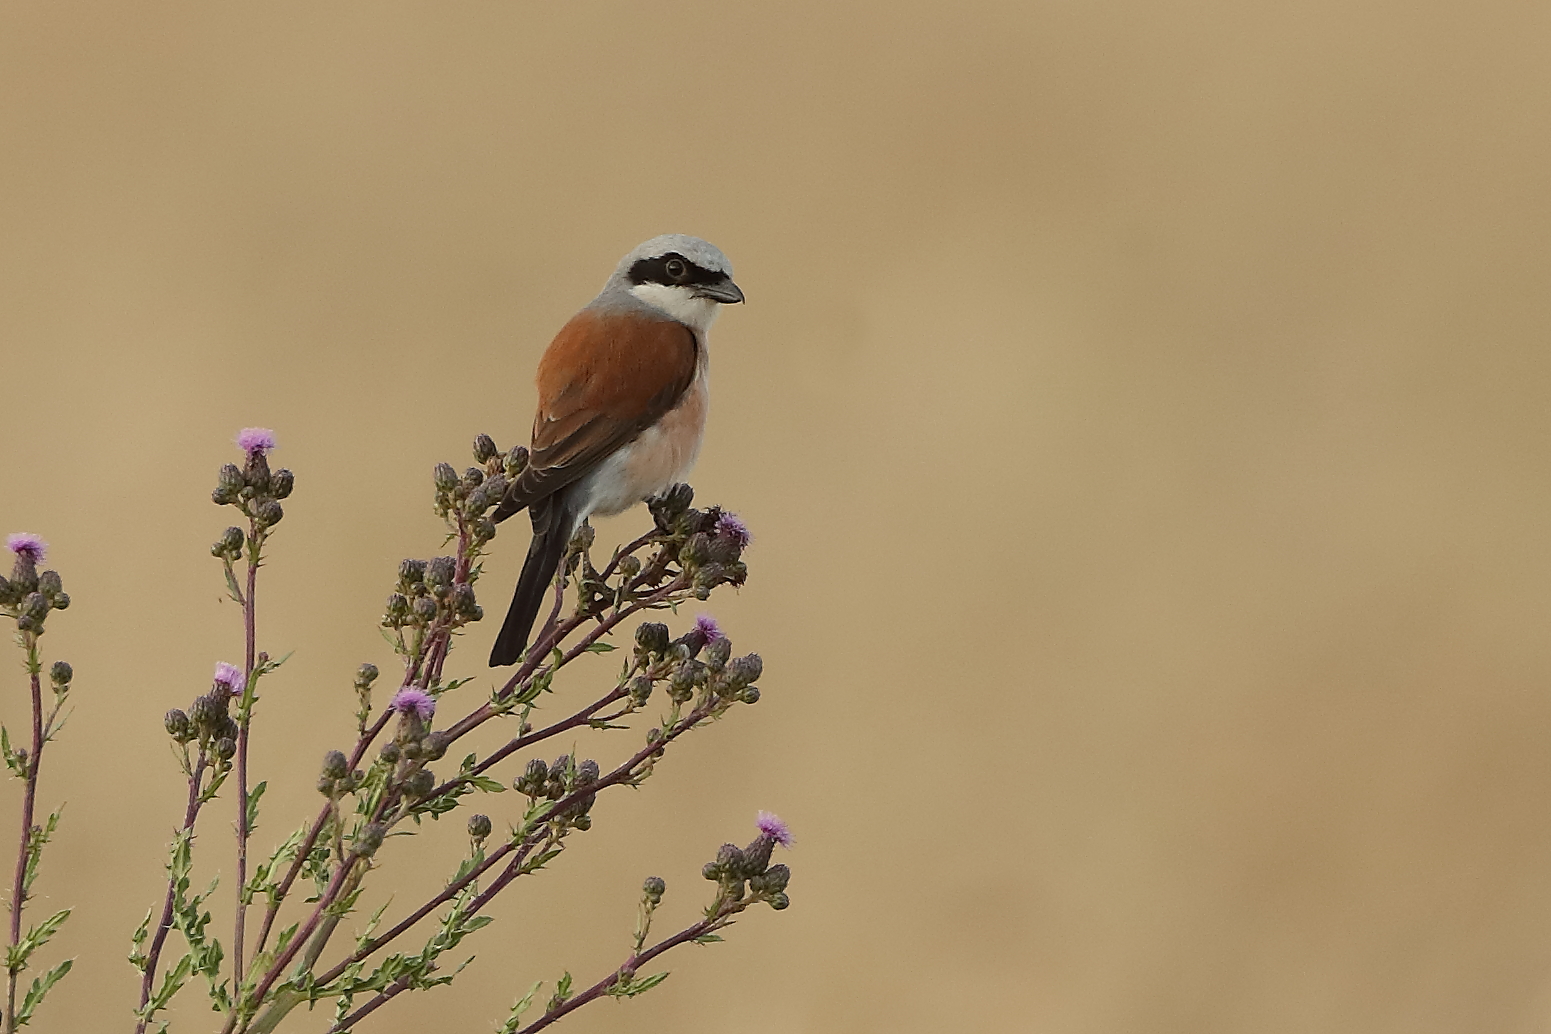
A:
x: 335, y: 888
x: 249, y: 617
x: 361, y: 746
x: 634, y: 962
x: 29, y: 800
x: 619, y: 775
x: 190, y: 816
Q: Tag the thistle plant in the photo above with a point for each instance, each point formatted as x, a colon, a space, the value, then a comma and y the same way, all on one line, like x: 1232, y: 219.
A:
x: 27, y: 598
x: 287, y: 904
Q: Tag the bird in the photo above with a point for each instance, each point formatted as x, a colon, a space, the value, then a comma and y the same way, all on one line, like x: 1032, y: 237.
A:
x: 623, y: 392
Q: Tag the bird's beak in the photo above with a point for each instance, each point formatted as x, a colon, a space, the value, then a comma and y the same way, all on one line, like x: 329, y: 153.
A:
x: 724, y: 291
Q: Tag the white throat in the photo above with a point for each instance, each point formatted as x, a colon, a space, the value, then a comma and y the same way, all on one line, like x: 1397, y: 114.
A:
x: 680, y: 303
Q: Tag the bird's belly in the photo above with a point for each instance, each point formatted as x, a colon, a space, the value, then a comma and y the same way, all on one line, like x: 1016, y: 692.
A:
x: 660, y: 456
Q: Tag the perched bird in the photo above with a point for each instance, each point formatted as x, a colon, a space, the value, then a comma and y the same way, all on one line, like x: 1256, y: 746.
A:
x: 623, y: 394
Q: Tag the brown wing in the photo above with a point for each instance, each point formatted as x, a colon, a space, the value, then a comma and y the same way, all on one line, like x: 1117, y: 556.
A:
x: 604, y: 379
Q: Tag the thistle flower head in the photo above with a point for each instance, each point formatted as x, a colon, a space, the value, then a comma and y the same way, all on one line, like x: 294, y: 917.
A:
x: 28, y: 544
x: 412, y: 698
x: 731, y: 526
x: 706, y: 625
x: 230, y: 678
x: 255, y: 439
x: 771, y: 826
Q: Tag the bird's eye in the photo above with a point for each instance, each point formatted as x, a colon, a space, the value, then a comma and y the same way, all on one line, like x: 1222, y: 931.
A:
x: 676, y: 269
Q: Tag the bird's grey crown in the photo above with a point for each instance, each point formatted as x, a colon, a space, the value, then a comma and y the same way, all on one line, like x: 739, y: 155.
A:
x: 702, y: 253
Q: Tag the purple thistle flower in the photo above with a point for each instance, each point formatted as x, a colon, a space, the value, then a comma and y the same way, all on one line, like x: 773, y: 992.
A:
x: 706, y: 625
x: 255, y: 439
x: 731, y: 526
x: 230, y: 678
x: 411, y: 698
x: 26, y: 542
x: 771, y: 826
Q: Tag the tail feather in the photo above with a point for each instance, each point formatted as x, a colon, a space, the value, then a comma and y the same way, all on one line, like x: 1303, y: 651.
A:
x: 552, y: 521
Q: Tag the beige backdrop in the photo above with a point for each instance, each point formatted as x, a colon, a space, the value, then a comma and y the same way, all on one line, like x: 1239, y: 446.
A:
x: 1140, y: 409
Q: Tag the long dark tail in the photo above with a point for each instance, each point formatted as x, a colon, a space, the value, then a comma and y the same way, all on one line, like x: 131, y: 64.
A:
x: 552, y: 528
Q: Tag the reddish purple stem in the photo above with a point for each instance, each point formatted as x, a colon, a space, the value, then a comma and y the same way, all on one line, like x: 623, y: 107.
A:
x: 29, y: 804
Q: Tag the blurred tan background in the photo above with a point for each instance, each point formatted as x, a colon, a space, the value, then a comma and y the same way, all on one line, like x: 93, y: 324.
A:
x: 1141, y: 410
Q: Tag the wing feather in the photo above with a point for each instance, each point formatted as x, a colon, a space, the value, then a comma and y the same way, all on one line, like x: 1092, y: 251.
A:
x: 604, y: 379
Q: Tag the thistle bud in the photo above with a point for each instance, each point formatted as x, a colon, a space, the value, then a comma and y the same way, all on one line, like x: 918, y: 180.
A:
x: 640, y: 690
x: 582, y: 539
x: 269, y: 514
x: 49, y: 584
x: 225, y: 747
x: 281, y: 483
x: 230, y: 480
x: 445, y: 477
x: 533, y: 778
x: 62, y: 601
x: 336, y: 765
x: 587, y: 773
x: 463, y: 601
x: 516, y: 461
x: 434, y: 747
x: 390, y: 752
x: 750, y: 695
x: 654, y: 888
x: 425, y: 609
x: 495, y: 487
x: 776, y: 878
x: 177, y: 725
x: 369, y: 839
x: 439, y: 572
x: 61, y: 673
x: 256, y: 473
x: 365, y: 675
x: 479, y: 825
x: 484, y: 448
x: 744, y: 670
x: 671, y: 504
x: 779, y: 901
x: 7, y: 593
x: 419, y: 782
x: 730, y: 859
x: 327, y: 785
x: 629, y: 567
x: 205, y: 714
x: 397, y: 609
x: 411, y: 574
x: 716, y: 653
x: 35, y: 607
x: 696, y: 551
x: 24, y: 574
x: 473, y: 477
x: 652, y: 637
x: 229, y: 545
x: 757, y: 855
x: 681, y: 684
x: 711, y: 871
